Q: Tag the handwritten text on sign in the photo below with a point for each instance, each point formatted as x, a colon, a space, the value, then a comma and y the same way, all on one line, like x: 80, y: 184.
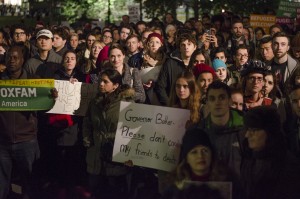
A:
x: 68, y: 99
x: 150, y: 136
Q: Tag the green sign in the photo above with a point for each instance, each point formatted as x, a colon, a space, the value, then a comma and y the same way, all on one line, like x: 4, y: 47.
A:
x: 287, y: 8
x: 26, y: 94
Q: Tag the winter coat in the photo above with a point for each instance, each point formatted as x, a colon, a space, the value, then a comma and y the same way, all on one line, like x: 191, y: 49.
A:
x: 99, y: 129
x: 226, y: 140
x: 167, y: 77
x: 17, y: 126
x: 271, y: 174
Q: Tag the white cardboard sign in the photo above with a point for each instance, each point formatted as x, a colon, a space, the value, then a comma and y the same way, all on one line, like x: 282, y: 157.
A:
x: 149, y: 135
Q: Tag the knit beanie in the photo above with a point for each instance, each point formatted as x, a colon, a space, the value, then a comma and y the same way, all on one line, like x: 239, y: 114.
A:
x: 217, y: 63
x: 263, y: 117
x: 192, y: 138
x: 154, y: 34
x: 203, y: 68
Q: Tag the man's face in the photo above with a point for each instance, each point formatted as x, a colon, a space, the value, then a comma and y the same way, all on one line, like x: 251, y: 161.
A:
x: 90, y: 41
x: 187, y: 48
x: 133, y: 45
x: 221, y: 56
x: 241, y: 57
x: 14, y: 60
x: 124, y: 34
x: 58, y: 42
x: 254, y: 83
x: 267, y: 51
x: 204, y: 80
x: 44, y: 43
x: 237, y: 101
x: 274, y: 30
x: 141, y: 28
x: 280, y: 47
x: 237, y: 29
x: 19, y: 35
x: 169, y: 18
x: 218, y: 102
x: 74, y: 42
x: 295, y: 101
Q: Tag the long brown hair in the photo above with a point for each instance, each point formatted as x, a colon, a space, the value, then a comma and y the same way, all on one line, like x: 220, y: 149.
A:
x: 194, y: 98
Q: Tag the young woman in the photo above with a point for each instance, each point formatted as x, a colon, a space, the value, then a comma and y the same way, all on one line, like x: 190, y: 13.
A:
x: 171, y: 37
x: 99, y: 128
x: 199, y: 57
x: 221, y: 71
x: 153, y: 59
x: 130, y: 76
x: 89, y: 66
x: 185, y: 94
x: 197, y: 163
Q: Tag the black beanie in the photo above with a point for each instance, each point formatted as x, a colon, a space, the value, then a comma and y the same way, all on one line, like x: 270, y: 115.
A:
x: 263, y: 117
x: 193, y: 138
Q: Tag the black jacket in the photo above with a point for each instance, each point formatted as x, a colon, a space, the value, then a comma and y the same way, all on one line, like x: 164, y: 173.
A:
x: 167, y: 77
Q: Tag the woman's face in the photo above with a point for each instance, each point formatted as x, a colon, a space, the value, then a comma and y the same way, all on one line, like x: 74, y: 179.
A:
x: 256, y: 138
x: 106, y: 86
x: 70, y: 61
x: 199, y: 159
x: 154, y: 44
x: 182, y: 89
x: 171, y: 31
x: 221, y: 73
x: 199, y: 59
x: 259, y: 34
x: 269, y: 84
x: 96, y: 48
x: 116, y: 58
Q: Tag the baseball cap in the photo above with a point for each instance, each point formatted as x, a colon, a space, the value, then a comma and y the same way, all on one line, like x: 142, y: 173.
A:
x: 44, y: 32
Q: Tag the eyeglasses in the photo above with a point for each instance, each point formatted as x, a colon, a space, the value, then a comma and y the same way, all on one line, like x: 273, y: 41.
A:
x: 241, y: 55
x: 19, y: 33
x: 106, y: 37
x: 254, y: 79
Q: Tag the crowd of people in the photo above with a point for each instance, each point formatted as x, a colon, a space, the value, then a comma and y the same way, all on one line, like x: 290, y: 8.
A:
x: 241, y: 86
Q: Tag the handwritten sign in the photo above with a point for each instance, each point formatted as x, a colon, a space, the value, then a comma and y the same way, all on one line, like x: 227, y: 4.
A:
x: 68, y: 99
x: 149, y: 135
x: 264, y: 21
x: 134, y: 12
x: 26, y: 94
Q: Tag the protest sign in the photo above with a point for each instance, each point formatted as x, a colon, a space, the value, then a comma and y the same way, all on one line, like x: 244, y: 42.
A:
x: 26, y: 94
x: 150, y: 73
x: 149, y: 135
x: 287, y: 8
x: 285, y: 21
x: 264, y: 21
x: 68, y: 99
x: 134, y: 12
